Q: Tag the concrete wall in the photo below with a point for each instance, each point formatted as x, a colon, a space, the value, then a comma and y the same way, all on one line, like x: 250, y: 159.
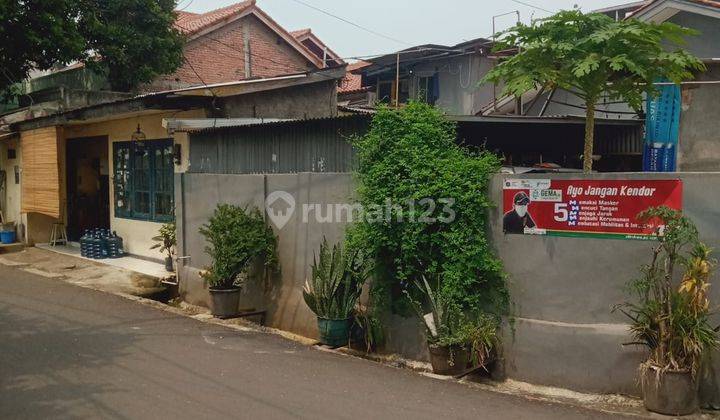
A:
x: 460, y: 91
x: 315, y: 100
x: 281, y: 294
x: 298, y: 241
x: 699, y: 145
x: 10, y: 204
x: 563, y: 289
x: 707, y: 43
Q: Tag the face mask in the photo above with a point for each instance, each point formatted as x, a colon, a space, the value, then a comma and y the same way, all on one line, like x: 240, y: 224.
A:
x: 521, y: 210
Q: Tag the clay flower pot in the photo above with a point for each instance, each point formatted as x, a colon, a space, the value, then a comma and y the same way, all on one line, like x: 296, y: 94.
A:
x: 674, y: 393
x: 448, y: 360
x: 224, y: 302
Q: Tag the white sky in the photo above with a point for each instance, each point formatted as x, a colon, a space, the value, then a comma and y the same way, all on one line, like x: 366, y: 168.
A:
x: 415, y: 22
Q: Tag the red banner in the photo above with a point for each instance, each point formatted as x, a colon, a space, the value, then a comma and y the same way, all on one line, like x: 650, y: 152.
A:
x: 600, y: 208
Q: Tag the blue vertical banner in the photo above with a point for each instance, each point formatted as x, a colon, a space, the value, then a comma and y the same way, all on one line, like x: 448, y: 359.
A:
x: 662, y: 127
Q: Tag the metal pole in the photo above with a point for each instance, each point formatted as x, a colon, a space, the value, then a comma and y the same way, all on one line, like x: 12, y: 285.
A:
x: 397, y: 81
x: 520, y: 100
x: 494, y: 37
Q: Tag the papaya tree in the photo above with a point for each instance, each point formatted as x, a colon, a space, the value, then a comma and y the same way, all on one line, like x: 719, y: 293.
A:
x: 593, y: 56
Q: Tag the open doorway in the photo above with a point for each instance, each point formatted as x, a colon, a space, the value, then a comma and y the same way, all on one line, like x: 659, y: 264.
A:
x: 88, y: 185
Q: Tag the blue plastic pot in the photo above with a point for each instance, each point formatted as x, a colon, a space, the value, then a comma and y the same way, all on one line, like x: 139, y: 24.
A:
x: 7, y: 237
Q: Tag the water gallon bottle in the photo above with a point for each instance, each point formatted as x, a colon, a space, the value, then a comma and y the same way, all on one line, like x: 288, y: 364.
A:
x: 114, y: 244
x: 84, y: 244
x: 96, y: 245
x: 103, y: 251
x: 91, y: 244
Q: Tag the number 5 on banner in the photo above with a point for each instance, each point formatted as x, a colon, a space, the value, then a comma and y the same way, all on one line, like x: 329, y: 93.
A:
x: 561, y: 212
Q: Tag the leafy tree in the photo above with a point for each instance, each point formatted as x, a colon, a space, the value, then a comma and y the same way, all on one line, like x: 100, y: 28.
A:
x: 593, y: 55
x: 131, y: 41
x: 408, y: 158
x: 135, y: 39
x: 37, y: 34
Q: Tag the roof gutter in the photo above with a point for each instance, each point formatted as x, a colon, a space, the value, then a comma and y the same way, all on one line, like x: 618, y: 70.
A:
x: 185, y: 125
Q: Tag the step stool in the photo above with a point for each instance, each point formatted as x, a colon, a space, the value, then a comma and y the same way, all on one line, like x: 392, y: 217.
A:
x: 58, y: 234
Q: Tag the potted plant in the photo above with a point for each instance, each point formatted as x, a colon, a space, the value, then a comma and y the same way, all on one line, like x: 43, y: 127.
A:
x: 670, y: 314
x: 333, y: 289
x: 165, y: 242
x: 366, y: 331
x: 454, y: 337
x: 236, y: 238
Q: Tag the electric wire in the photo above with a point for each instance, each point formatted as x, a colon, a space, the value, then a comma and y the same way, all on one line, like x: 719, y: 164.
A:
x: 532, y: 6
x: 350, y: 22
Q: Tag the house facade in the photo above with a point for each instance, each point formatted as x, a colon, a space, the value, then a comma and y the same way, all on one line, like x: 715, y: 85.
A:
x: 441, y: 75
x: 107, y: 159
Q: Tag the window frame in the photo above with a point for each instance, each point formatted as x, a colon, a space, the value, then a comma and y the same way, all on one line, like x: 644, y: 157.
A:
x: 128, y: 184
x: 423, y: 89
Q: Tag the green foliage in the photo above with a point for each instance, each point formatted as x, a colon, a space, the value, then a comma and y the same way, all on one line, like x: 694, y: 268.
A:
x: 370, y: 327
x: 673, y: 319
x: 451, y: 326
x: 134, y: 40
x: 336, y: 282
x: 411, y: 154
x: 37, y: 34
x: 593, y: 55
x: 236, y: 237
x: 166, y: 240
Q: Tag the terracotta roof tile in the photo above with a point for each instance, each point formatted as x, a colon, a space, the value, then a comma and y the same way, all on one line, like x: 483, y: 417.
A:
x: 300, y: 32
x: 189, y: 23
x: 352, y: 82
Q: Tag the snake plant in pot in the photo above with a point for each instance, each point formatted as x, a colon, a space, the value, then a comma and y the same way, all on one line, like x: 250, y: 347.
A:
x: 333, y: 290
x: 455, y: 337
x: 670, y: 313
x: 236, y: 237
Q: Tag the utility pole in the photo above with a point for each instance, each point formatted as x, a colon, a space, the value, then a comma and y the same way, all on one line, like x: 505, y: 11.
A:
x: 397, y: 80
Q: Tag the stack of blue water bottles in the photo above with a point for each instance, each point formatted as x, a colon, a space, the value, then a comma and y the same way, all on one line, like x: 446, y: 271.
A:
x: 101, y: 243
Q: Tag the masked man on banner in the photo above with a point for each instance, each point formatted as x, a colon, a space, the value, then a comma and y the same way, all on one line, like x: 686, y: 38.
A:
x: 517, y: 219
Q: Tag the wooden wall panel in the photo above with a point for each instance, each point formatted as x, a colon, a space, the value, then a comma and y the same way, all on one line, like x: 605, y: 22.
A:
x: 40, y: 171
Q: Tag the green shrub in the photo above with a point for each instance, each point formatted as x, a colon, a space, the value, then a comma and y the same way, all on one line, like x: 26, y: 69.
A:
x: 236, y: 237
x: 411, y: 154
x: 450, y: 325
x: 336, y: 282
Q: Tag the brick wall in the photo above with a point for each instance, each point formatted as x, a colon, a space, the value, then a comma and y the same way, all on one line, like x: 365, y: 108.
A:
x: 219, y: 56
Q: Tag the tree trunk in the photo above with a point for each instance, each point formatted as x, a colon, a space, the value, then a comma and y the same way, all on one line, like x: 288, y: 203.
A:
x: 589, y: 135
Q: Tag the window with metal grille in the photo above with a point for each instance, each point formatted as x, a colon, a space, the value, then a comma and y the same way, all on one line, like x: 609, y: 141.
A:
x: 143, y: 179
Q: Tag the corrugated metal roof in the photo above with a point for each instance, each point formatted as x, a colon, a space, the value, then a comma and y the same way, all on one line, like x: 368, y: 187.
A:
x: 545, y: 119
x: 288, y: 121
x: 364, y: 114
x: 313, y: 145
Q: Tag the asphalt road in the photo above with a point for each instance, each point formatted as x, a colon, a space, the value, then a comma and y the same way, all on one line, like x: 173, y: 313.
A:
x: 68, y: 352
